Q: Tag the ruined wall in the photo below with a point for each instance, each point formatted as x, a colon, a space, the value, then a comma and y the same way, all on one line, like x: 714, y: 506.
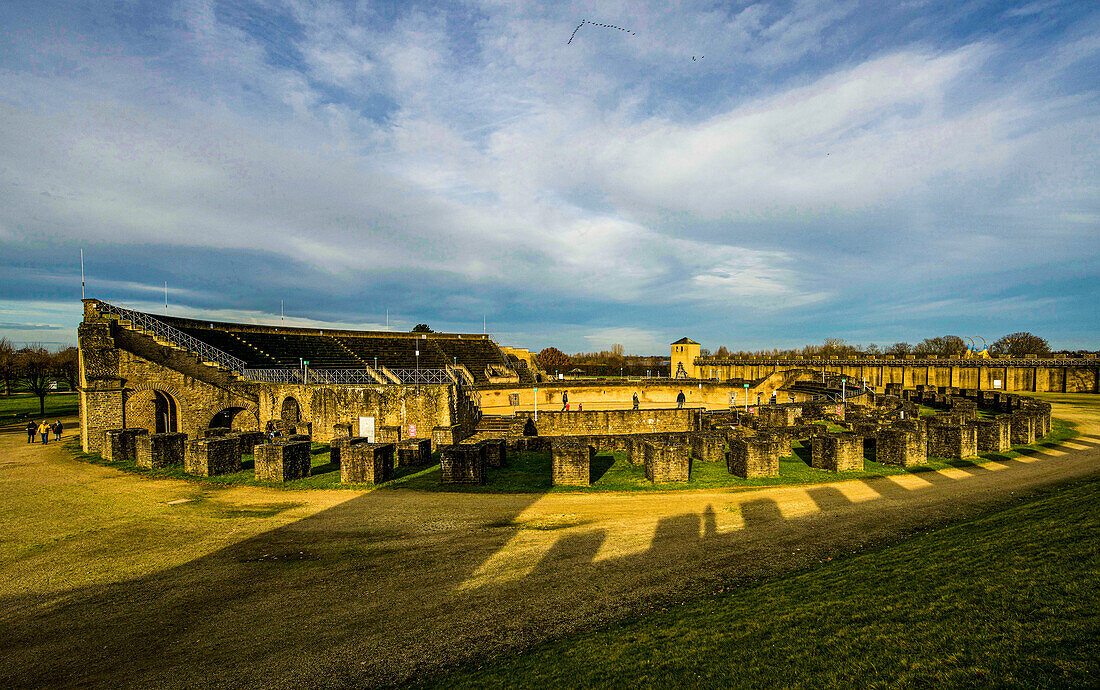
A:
x: 614, y: 422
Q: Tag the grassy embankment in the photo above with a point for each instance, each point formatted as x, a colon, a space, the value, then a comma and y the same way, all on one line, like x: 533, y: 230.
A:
x: 1009, y: 599
x: 531, y: 471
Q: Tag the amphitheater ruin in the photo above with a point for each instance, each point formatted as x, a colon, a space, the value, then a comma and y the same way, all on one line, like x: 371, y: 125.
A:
x: 163, y: 391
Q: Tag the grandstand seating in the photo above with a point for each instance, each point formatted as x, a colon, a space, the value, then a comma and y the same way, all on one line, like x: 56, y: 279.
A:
x: 395, y: 352
x: 474, y: 354
x: 230, y: 344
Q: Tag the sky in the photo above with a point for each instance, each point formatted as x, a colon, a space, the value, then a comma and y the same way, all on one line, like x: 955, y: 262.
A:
x: 755, y: 175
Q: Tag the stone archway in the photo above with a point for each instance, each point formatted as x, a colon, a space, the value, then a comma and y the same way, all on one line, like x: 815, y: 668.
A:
x: 290, y: 411
x: 152, y: 409
x: 236, y: 418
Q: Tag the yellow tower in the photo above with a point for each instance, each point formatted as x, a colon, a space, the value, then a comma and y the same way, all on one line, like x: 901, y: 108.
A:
x: 684, y: 352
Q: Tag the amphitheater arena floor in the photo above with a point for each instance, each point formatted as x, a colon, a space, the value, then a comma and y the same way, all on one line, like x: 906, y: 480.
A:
x: 109, y: 578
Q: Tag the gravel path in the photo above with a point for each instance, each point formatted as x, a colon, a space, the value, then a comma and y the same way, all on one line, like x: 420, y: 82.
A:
x: 111, y: 579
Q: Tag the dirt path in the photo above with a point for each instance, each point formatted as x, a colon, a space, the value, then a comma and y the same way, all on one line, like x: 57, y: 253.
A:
x: 106, y: 582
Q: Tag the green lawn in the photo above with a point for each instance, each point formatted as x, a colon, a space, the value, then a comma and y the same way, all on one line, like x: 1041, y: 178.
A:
x: 19, y: 406
x: 1010, y: 599
x: 530, y: 471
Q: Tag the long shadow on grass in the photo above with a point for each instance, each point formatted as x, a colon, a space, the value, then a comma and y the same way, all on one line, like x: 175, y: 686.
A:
x: 391, y: 583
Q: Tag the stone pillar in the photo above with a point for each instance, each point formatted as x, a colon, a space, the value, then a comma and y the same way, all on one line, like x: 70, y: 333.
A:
x: 951, y: 441
x: 282, y: 462
x: 899, y: 445
x: 160, y: 450
x: 209, y: 457
x: 462, y: 464
x: 571, y: 463
x: 496, y: 452
x: 121, y: 444
x: 388, y: 434
x: 752, y: 457
x: 445, y: 436
x: 367, y: 463
x: 667, y: 463
x: 337, y: 446
x: 837, y: 452
x: 213, y: 432
x: 248, y: 440
x: 994, y: 435
x: 708, y: 446
x: 1022, y: 429
x: 341, y: 430
x: 415, y: 452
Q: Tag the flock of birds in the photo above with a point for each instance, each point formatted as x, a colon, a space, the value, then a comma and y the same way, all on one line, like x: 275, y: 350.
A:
x: 610, y: 26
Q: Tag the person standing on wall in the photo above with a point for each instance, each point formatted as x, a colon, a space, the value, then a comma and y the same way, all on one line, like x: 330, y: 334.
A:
x: 31, y: 428
x: 680, y: 399
x: 44, y: 431
x: 635, y: 400
x: 564, y: 401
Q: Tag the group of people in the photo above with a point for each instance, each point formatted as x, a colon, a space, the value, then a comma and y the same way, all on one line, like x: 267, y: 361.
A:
x: 680, y: 399
x: 44, y: 430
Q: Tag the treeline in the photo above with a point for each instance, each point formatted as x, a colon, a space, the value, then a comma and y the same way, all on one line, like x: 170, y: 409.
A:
x: 604, y: 362
x: 35, y: 369
x: 1013, y: 344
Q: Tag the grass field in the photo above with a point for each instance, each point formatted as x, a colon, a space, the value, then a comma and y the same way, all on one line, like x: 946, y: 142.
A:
x: 16, y: 408
x: 530, y: 471
x: 1010, y: 599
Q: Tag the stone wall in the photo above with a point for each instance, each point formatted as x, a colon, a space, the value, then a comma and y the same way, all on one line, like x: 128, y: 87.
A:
x: 413, y: 452
x: 667, y: 462
x: 462, y: 464
x: 571, y: 463
x: 282, y: 462
x: 752, y: 457
x: 367, y: 463
x: 837, y: 452
x: 952, y: 441
x: 160, y: 450
x: 1022, y: 428
x: 586, y: 423
x: 994, y: 434
x: 212, y: 456
x: 121, y: 444
x: 900, y: 445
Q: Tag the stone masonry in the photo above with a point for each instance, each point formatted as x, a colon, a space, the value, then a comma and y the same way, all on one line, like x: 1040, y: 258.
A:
x: 367, y: 463
x: 414, y: 452
x: 708, y: 446
x: 952, y: 441
x: 667, y: 462
x: 121, y: 444
x: 462, y: 464
x: 209, y: 457
x: 337, y: 446
x: 571, y: 463
x: 752, y: 457
x: 1022, y: 429
x: 994, y: 435
x: 837, y: 452
x: 900, y: 445
x: 160, y: 450
x: 282, y: 462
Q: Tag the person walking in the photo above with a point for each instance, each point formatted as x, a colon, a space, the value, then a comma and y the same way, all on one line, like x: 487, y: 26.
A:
x: 635, y: 400
x: 680, y: 400
x: 44, y: 431
x: 57, y: 429
x: 564, y: 401
x: 31, y: 428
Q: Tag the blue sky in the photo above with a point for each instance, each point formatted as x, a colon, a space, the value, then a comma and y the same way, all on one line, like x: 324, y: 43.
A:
x: 748, y: 174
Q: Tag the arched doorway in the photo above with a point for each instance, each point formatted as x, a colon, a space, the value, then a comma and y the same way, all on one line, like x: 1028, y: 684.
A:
x: 165, y: 410
x: 236, y: 418
x: 152, y: 409
x: 291, y: 413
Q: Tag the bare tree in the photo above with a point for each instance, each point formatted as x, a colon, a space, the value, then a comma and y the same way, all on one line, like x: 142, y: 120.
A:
x: 37, y: 367
x: 898, y: 349
x: 946, y: 345
x: 1020, y: 344
x: 8, y: 370
x: 68, y: 366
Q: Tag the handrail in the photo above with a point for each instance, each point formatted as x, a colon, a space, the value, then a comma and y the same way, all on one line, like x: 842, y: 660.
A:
x: 207, y: 352
x: 344, y: 376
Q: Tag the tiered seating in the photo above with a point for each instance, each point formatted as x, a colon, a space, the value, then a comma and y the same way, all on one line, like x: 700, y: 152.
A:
x: 321, y: 351
x: 396, y: 352
x: 225, y: 342
x: 474, y: 354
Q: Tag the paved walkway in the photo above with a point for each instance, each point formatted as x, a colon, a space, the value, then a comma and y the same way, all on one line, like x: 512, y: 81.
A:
x: 111, y: 579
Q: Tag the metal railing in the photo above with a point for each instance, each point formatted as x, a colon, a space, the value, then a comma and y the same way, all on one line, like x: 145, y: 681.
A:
x: 345, y: 376
x: 423, y: 375
x: 161, y: 330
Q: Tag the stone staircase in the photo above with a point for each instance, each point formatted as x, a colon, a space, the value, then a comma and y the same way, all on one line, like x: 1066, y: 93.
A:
x: 498, y: 426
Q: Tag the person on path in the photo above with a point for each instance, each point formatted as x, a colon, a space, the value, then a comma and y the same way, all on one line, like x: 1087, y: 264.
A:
x: 57, y: 429
x: 635, y: 400
x: 44, y: 431
x: 31, y: 428
x: 680, y: 399
x: 564, y: 401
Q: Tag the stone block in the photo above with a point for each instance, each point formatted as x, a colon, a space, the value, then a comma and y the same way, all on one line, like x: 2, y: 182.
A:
x: 341, y: 430
x: 994, y: 435
x: 708, y: 446
x: 496, y: 452
x: 337, y: 446
x: 209, y: 457
x: 282, y: 462
x: 214, y: 432
x: 367, y: 463
x: 571, y: 463
x: 778, y: 415
x: 248, y: 440
x: 752, y: 457
x: 951, y: 441
x: 900, y: 445
x: 160, y: 450
x: 967, y: 410
x: 445, y: 435
x: 837, y: 452
x: 303, y: 428
x: 462, y: 464
x: 1022, y: 429
x: 415, y: 452
x: 121, y: 444
x: 667, y: 463
x: 296, y: 438
x: 388, y: 434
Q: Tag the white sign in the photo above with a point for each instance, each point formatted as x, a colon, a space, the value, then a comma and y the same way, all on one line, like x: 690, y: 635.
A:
x: 996, y: 383
x: 366, y: 428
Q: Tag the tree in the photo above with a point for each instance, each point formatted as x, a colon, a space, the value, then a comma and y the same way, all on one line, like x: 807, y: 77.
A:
x: 722, y: 352
x: 944, y: 346
x: 8, y: 369
x: 422, y: 328
x: 68, y: 366
x: 552, y: 358
x: 899, y: 349
x: 36, y: 366
x: 1020, y: 344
